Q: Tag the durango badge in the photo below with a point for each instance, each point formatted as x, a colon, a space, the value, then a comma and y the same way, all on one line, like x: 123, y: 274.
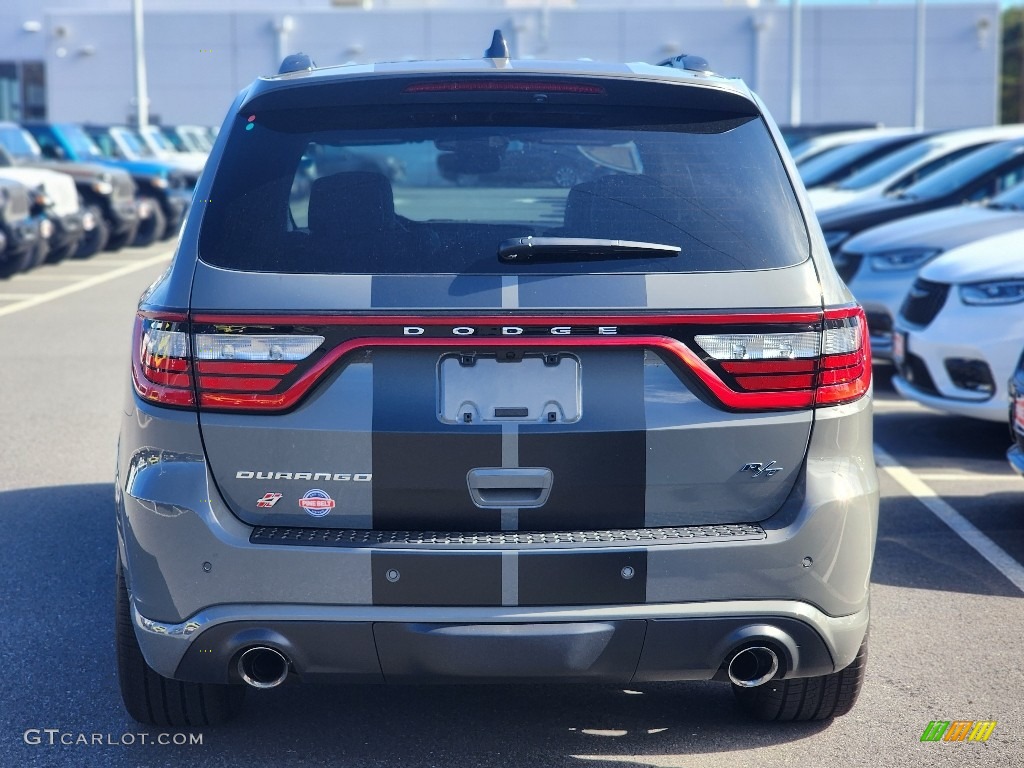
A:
x: 318, y: 503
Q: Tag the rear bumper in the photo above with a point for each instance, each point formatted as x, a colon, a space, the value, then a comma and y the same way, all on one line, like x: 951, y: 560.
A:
x: 121, y: 215
x: 175, y: 204
x: 636, y: 643
x: 67, y: 229
x: 21, y: 236
x: 669, y: 609
x: 992, y: 409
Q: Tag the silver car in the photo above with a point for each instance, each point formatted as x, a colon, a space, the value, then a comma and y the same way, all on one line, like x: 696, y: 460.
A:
x: 473, y: 430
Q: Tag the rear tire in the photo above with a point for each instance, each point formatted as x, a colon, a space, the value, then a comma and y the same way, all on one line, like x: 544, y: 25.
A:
x: 57, y: 255
x: 807, y: 698
x: 152, y: 229
x: 37, y: 256
x: 120, y: 240
x: 153, y: 699
x: 95, y: 240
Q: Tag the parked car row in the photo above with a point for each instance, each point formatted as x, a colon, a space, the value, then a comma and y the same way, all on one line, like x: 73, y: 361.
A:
x: 69, y: 190
x: 930, y: 239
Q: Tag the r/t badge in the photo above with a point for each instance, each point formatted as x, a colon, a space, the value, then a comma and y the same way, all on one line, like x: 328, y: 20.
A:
x: 761, y: 470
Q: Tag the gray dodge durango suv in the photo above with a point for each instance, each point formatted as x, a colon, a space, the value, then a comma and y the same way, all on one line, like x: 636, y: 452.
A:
x: 448, y: 425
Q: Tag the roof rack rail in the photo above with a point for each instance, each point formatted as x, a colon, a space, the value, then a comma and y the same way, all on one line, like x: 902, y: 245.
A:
x: 689, y: 62
x: 297, y: 62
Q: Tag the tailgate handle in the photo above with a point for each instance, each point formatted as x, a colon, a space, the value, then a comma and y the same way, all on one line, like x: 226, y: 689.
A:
x: 494, y: 487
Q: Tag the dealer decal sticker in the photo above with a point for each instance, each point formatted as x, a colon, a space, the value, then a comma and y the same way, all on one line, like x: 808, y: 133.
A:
x: 316, y: 502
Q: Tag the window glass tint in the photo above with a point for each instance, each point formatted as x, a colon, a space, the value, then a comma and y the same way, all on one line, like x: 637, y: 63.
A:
x: 1013, y: 197
x: 822, y: 166
x: 135, y: 145
x: 887, y: 166
x: 963, y: 171
x: 105, y: 143
x: 79, y: 140
x: 17, y: 142
x: 336, y: 192
x: 924, y: 170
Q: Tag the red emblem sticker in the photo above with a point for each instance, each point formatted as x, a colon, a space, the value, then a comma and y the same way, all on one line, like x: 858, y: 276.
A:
x: 269, y: 499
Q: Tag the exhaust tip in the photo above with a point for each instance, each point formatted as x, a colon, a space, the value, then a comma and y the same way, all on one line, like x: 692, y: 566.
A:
x: 263, y: 667
x: 753, y: 666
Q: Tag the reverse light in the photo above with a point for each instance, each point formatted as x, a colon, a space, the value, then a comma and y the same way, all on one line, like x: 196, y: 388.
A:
x: 993, y: 293
x: 760, y: 346
x: 227, y: 346
x: 902, y: 259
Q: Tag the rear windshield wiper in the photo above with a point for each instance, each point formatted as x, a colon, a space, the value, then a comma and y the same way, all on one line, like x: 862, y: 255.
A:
x: 525, y: 250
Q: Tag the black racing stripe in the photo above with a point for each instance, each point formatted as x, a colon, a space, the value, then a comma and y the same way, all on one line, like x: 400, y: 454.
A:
x: 420, y: 464
x: 419, y: 481
x: 599, y: 464
x: 599, y: 480
x: 583, y: 578
x: 403, y: 578
x: 584, y: 291
x: 435, y: 292
x: 405, y: 391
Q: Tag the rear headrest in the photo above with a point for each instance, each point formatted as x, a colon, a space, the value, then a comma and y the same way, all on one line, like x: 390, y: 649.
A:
x: 352, y: 203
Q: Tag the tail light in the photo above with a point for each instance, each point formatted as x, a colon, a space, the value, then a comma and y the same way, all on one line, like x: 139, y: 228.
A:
x: 240, y: 370
x: 829, y: 366
x: 749, y: 363
x: 161, y: 364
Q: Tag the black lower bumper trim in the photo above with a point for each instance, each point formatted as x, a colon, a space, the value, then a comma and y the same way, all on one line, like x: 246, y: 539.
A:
x: 620, y: 651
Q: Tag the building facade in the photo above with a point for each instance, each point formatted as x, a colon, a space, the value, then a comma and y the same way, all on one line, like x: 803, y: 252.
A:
x: 858, y: 63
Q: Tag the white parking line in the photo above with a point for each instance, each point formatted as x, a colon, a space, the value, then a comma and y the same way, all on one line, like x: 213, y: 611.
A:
x: 86, y: 282
x: 896, y: 405
x: 959, y: 477
x: 101, y: 262
x: 55, y: 277
x: 961, y: 526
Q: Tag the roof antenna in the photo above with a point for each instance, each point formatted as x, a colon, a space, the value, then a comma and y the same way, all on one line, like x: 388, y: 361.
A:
x: 499, y: 47
x: 296, y: 62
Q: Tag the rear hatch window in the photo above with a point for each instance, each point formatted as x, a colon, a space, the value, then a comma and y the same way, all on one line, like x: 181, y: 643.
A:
x: 436, y: 181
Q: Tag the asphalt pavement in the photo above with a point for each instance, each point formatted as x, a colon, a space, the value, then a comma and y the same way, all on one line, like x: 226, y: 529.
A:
x: 945, y: 639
